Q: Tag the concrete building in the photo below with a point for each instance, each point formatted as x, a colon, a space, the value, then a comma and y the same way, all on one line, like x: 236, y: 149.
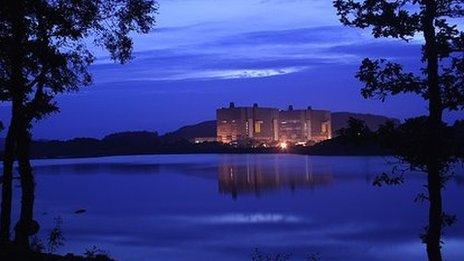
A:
x: 271, y: 126
x: 295, y: 125
x: 321, y: 125
x: 232, y: 124
x: 247, y: 123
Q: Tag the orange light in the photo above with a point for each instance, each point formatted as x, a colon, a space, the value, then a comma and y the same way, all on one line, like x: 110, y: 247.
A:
x: 283, y: 145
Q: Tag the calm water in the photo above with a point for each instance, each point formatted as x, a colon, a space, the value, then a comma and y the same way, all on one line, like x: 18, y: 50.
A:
x: 221, y: 207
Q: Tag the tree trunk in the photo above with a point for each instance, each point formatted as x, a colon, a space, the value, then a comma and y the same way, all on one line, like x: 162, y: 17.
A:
x: 26, y: 225
x: 17, y: 86
x: 8, y: 159
x: 434, y: 186
x: 433, y: 237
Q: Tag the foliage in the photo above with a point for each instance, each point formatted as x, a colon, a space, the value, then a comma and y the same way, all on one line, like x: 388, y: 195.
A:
x: 37, y: 244
x: 458, y: 133
x: 387, y: 179
x: 313, y: 257
x: 424, y: 143
x: 46, y: 49
x: 356, y: 131
x: 56, y: 238
x: 258, y: 255
x: 409, y: 142
x: 94, y: 252
x: 55, y: 44
x: 404, y: 19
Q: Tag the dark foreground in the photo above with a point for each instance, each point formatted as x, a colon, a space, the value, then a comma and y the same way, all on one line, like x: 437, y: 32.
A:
x: 10, y: 253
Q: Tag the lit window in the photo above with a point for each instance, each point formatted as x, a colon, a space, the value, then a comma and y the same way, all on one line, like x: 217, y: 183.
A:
x: 324, y: 128
x: 258, y: 126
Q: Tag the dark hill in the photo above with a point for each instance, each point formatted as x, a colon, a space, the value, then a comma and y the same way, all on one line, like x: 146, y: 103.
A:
x: 339, y: 120
x: 123, y: 143
x: 202, y: 129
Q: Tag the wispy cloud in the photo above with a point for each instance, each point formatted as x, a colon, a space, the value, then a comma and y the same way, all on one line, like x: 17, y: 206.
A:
x: 247, y: 55
x: 226, y: 74
x: 239, y: 218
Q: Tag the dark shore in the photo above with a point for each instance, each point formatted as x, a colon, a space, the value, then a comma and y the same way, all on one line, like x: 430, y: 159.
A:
x: 8, y: 252
x: 144, y: 143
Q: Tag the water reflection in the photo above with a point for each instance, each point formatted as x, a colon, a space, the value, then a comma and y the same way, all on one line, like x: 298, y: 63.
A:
x: 173, y: 207
x: 96, y: 168
x: 258, y: 175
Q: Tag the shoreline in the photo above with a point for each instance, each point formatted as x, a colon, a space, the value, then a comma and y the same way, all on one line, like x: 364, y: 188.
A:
x: 211, y: 153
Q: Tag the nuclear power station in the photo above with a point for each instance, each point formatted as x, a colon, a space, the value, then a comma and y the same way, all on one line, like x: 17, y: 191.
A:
x: 271, y: 126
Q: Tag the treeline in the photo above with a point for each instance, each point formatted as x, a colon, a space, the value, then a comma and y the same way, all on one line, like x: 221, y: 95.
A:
x: 130, y: 143
x: 391, y: 138
x: 356, y: 139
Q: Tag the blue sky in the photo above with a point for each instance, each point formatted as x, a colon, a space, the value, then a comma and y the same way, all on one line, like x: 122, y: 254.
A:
x: 205, y: 53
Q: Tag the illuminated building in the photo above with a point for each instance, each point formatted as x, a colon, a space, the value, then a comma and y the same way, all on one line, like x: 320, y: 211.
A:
x: 247, y: 123
x: 295, y: 125
x: 321, y: 125
x: 271, y: 126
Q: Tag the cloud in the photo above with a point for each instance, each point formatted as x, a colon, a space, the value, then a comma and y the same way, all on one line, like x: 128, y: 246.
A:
x: 228, y: 74
x: 331, y: 35
x: 384, y: 49
x: 255, y: 218
x: 248, y: 55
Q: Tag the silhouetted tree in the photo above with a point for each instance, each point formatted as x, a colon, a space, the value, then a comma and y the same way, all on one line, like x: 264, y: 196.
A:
x: 458, y: 134
x: 441, y: 81
x: 356, y: 131
x: 45, y: 49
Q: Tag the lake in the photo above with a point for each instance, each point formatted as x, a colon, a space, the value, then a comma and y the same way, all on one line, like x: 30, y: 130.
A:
x: 222, y: 207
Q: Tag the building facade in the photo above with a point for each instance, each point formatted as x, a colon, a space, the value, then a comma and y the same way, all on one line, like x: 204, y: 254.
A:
x: 247, y: 123
x: 295, y: 125
x: 271, y: 126
x: 321, y: 125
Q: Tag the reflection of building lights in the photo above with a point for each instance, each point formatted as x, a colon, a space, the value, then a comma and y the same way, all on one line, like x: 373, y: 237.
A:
x: 283, y: 145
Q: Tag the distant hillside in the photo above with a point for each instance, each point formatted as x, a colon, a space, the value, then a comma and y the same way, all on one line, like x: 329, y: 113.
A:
x: 339, y: 119
x: 202, y: 129
x: 123, y: 143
